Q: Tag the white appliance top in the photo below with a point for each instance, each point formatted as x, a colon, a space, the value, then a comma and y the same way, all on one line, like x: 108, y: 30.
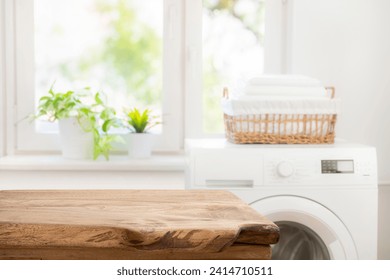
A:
x: 221, y: 143
x: 218, y: 162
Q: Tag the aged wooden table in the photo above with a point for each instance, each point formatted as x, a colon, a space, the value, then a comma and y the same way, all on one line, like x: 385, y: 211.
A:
x: 132, y: 224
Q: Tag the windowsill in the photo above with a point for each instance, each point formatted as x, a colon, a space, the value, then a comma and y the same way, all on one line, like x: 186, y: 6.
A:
x: 159, y: 162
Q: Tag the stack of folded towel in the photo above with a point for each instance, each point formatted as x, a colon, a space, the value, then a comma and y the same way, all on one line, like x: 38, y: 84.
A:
x: 285, y: 86
x: 282, y: 94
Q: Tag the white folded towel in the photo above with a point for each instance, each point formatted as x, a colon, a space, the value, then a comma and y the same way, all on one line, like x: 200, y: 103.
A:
x: 285, y: 80
x: 276, y: 105
x: 277, y: 97
x: 302, y: 91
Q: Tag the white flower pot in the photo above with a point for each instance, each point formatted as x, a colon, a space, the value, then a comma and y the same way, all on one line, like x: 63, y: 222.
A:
x: 75, y: 142
x: 140, y: 145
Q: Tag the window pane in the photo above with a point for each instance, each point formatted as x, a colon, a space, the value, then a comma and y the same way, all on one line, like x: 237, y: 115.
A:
x: 113, y: 46
x: 233, y: 35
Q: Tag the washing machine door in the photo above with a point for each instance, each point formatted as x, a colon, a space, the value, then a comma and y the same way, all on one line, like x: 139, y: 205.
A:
x: 308, y: 230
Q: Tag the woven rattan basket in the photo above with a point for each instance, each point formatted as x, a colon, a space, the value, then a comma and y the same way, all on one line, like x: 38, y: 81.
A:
x: 281, y: 128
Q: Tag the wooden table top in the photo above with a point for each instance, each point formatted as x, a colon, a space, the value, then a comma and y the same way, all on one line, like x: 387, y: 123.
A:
x: 191, y: 220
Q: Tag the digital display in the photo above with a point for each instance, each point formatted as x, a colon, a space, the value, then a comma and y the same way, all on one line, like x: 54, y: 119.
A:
x: 345, y: 166
x: 337, y: 166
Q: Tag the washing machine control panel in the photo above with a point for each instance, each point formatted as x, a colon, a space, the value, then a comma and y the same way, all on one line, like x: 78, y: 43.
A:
x: 313, y: 168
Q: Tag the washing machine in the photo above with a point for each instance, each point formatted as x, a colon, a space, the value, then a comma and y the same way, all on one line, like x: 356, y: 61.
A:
x: 324, y: 198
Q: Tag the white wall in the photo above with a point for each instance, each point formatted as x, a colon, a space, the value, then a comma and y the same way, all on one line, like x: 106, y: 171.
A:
x: 346, y: 43
x: 2, y: 97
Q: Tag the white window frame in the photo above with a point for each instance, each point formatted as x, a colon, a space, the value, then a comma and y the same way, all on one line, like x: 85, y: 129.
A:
x: 28, y: 139
x: 182, y: 76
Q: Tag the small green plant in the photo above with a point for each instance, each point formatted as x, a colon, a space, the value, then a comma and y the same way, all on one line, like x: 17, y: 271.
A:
x: 140, y: 122
x: 95, y: 116
x: 56, y: 106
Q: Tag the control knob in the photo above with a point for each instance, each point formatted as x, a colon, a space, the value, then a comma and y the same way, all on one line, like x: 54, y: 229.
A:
x: 285, y: 169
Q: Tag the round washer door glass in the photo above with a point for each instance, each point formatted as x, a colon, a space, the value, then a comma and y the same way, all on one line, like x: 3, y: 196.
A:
x: 298, y: 242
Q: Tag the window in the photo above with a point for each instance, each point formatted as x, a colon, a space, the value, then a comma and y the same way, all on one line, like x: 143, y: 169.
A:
x: 114, y: 46
x: 239, y: 39
x: 229, y: 58
x: 172, y: 55
x: 128, y: 49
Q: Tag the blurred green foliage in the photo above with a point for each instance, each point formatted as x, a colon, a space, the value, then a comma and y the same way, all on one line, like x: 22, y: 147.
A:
x: 133, y: 51
x: 131, y: 54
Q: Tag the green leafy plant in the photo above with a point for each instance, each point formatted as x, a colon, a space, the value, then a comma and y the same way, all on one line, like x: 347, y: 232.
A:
x: 140, y: 122
x: 95, y: 117
x: 102, y: 139
x: 56, y: 106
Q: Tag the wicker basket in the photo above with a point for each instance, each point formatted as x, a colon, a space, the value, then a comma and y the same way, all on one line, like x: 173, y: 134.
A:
x: 281, y: 128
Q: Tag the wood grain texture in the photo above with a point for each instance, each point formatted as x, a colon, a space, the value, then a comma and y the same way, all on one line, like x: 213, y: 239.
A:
x: 234, y: 252
x: 142, y: 224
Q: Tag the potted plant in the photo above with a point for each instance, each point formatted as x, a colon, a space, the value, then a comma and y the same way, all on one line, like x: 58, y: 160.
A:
x: 84, y: 121
x: 140, y: 141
